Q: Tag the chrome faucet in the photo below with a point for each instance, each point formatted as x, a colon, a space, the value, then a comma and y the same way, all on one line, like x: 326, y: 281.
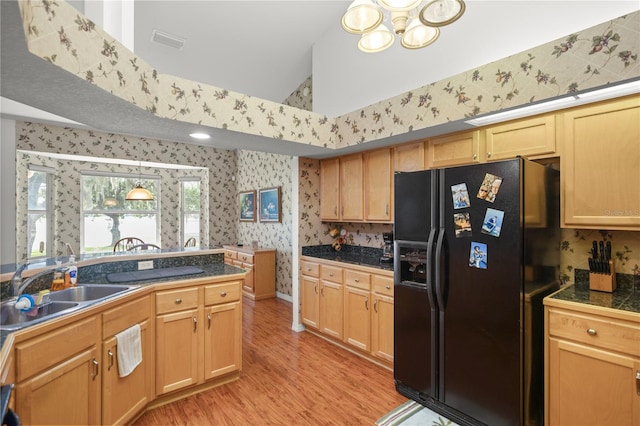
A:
x: 19, y: 285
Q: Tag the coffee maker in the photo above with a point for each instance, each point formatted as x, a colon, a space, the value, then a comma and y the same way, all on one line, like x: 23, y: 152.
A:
x: 387, y: 250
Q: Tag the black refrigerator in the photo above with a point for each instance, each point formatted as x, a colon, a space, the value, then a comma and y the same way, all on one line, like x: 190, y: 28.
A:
x: 476, y: 249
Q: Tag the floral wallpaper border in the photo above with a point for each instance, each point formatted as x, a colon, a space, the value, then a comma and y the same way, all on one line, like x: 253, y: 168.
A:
x: 599, y: 55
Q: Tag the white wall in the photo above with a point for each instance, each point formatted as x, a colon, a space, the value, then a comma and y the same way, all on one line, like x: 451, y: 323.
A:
x: 7, y: 191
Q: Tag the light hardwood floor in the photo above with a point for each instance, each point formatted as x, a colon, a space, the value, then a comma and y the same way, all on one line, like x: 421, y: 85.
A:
x: 288, y: 378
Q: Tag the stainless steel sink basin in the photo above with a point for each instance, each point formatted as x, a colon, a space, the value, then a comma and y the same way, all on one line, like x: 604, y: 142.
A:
x: 88, y: 292
x: 62, y: 303
x: 12, y: 319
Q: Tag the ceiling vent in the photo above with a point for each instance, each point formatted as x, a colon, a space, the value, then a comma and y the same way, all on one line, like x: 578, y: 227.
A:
x: 167, y: 39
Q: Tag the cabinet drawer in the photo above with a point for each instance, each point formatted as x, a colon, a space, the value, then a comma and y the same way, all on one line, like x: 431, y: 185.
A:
x: 311, y: 269
x: 357, y: 279
x: 230, y: 254
x: 54, y: 347
x: 222, y: 293
x: 176, y: 300
x: 122, y: 317
x: 244, y: 257
x: 382, y: 285
x: 331, y: 273
x: 604, y: 332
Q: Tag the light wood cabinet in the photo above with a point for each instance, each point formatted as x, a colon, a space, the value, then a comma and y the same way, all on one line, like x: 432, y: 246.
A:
x: 331, y: 301
x: 260, y: 264
x: 125, y: 397
x: 351, y: 188
x: 599, y: 163
x: 352, y: 305
x: 454, y: 150
x: 198, y: 334
x: 593, y: 367
x: 310, y: 292
x: 378, y: 185
x: 330, y: 189
x: 529, y: 137
x: 409, y: 157
x: 58, y: 375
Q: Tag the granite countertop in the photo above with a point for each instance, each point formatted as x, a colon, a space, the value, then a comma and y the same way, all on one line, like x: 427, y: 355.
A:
x: 356, y: 255
x: 626, y: 297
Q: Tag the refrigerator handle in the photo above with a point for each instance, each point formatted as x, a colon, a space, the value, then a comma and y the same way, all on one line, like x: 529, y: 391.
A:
x: 430, y: 268
x: 437, y: 261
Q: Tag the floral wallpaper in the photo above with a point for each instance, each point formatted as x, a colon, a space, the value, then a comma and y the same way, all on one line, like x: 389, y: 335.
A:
x: 576, y: 245
x: 594, y: 57
x: 298, y: 98
x: 218, y: 183
x: 259, y: 170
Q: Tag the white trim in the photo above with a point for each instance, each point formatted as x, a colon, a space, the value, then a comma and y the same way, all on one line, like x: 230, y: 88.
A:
x: 39, y: 168
x: 296, y: 325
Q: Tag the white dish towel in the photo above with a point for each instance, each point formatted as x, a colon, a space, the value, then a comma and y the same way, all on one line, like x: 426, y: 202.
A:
x: 129, y: 350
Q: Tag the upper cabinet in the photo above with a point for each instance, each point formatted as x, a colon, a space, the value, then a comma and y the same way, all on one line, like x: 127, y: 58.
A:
x: 351, y: 190
x: 600, y: 166
x: 378, y: 185
x: 454, y: 150
x: 330, y: 189
x: 409, y: 157
x: 528, y: 138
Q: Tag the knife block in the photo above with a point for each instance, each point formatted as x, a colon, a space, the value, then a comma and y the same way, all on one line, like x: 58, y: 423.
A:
x: 603, y: 282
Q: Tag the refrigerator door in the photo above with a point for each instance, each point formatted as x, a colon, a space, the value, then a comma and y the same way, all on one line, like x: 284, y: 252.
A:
x: 413, y: 208
x: 478, y: 282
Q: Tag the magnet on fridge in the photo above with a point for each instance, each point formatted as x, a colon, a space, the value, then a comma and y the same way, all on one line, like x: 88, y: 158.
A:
x: 462, y: 222
x: 489, y: 187
x: 460, y: 196
x: 478, y: 255
x: 492, y: 223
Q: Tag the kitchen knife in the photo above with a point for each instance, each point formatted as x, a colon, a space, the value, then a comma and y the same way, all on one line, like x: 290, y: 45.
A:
x: 591, y: 265
x: 601, y: 246
x: 594, y: 250
x: 607, y: 257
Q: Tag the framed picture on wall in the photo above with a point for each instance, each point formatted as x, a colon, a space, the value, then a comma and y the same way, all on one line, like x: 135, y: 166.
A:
x: 270, y: 205
x: 247, y: 206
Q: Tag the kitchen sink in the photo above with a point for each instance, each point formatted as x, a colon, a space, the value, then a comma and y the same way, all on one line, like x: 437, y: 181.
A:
x: 88, y: 292
x: 13, y: 319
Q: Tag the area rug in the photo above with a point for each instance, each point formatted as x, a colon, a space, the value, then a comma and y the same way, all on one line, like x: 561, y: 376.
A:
x: 413, y: 414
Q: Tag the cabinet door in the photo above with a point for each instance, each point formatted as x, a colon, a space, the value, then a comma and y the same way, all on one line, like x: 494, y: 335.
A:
x: 409, y: 157
x: 222, y: 339
x: 382, y: 327
x: 310, y: 301
x: 67, y: 393
x: 351, y: 188
x: 331, y: 309
x: 249, y: 278
x: 454, y: 150
x: 527, y: 137
x: 378, y: 193
x: 176, y: 350
x: 599, y: 163
x: 330, y: 189
x: 591, y: 387
x: 125, y: 397
x: 357, y: 318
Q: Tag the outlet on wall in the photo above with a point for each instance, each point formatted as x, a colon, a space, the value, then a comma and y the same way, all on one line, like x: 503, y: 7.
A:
x: 145, y: 264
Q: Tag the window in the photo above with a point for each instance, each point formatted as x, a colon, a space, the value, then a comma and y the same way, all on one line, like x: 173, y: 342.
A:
x: 107, y: 216
x: 190, y: 190
x: 39, y: 212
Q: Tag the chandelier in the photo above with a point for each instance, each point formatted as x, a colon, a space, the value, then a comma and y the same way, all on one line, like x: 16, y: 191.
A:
x: 416, y: 24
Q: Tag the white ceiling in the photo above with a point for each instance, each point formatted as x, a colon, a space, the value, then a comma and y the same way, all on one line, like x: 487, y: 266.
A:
x: 268, y: 48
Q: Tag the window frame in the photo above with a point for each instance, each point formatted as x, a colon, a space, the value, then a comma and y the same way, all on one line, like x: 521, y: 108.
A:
x: 184, y: 211
x: 47, y: 211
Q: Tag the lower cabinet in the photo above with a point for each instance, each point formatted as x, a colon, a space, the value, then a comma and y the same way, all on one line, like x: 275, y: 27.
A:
x: 593, y: 366
x: 123, y: 398
x: 58, y: 376
x: 353, y: 305
x: 198, y: 335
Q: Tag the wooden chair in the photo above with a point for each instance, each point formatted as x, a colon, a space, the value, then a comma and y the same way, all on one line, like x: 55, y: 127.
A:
x: 124, y: 244
x: 145, y: 246
x: 191, y: 242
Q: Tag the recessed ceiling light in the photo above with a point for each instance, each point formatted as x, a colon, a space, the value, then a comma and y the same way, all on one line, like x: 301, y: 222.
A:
x: 199, y: 135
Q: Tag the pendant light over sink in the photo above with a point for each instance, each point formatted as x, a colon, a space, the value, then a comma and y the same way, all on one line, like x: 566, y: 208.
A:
x: 416, y: 22
x: 139, y: 193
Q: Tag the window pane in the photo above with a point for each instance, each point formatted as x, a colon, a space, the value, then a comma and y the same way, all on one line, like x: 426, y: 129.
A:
x: 101, y: 231
x: 191, y: 226
x: 191, y: 194
x: 37, y: 226
x: 101, y: 193
x: 37, y: 192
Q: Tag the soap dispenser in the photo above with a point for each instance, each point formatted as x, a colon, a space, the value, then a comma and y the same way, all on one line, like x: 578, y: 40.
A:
x: 71, y: 274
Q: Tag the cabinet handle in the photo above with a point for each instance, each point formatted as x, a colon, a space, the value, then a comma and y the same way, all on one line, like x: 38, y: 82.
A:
x: 209, y: 319
x: 474, y: 156
x: 388, y: 287
x: 335, y: 211
x: 195, y: 324
x: 308, y: 269
x: 386, y: 209
x: 95, y: 368
x: 223, y: 294
x: 178, y: 301
x: 488, y: 155
x: 110, y: 359
x: 356, y: 280
x: 591, y: 331
x: 638, y: 382
x: 330, y: 274
x: 375, y: 306
x: 366, y: 303
x: 322, y: 291
x: 315, y: 288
